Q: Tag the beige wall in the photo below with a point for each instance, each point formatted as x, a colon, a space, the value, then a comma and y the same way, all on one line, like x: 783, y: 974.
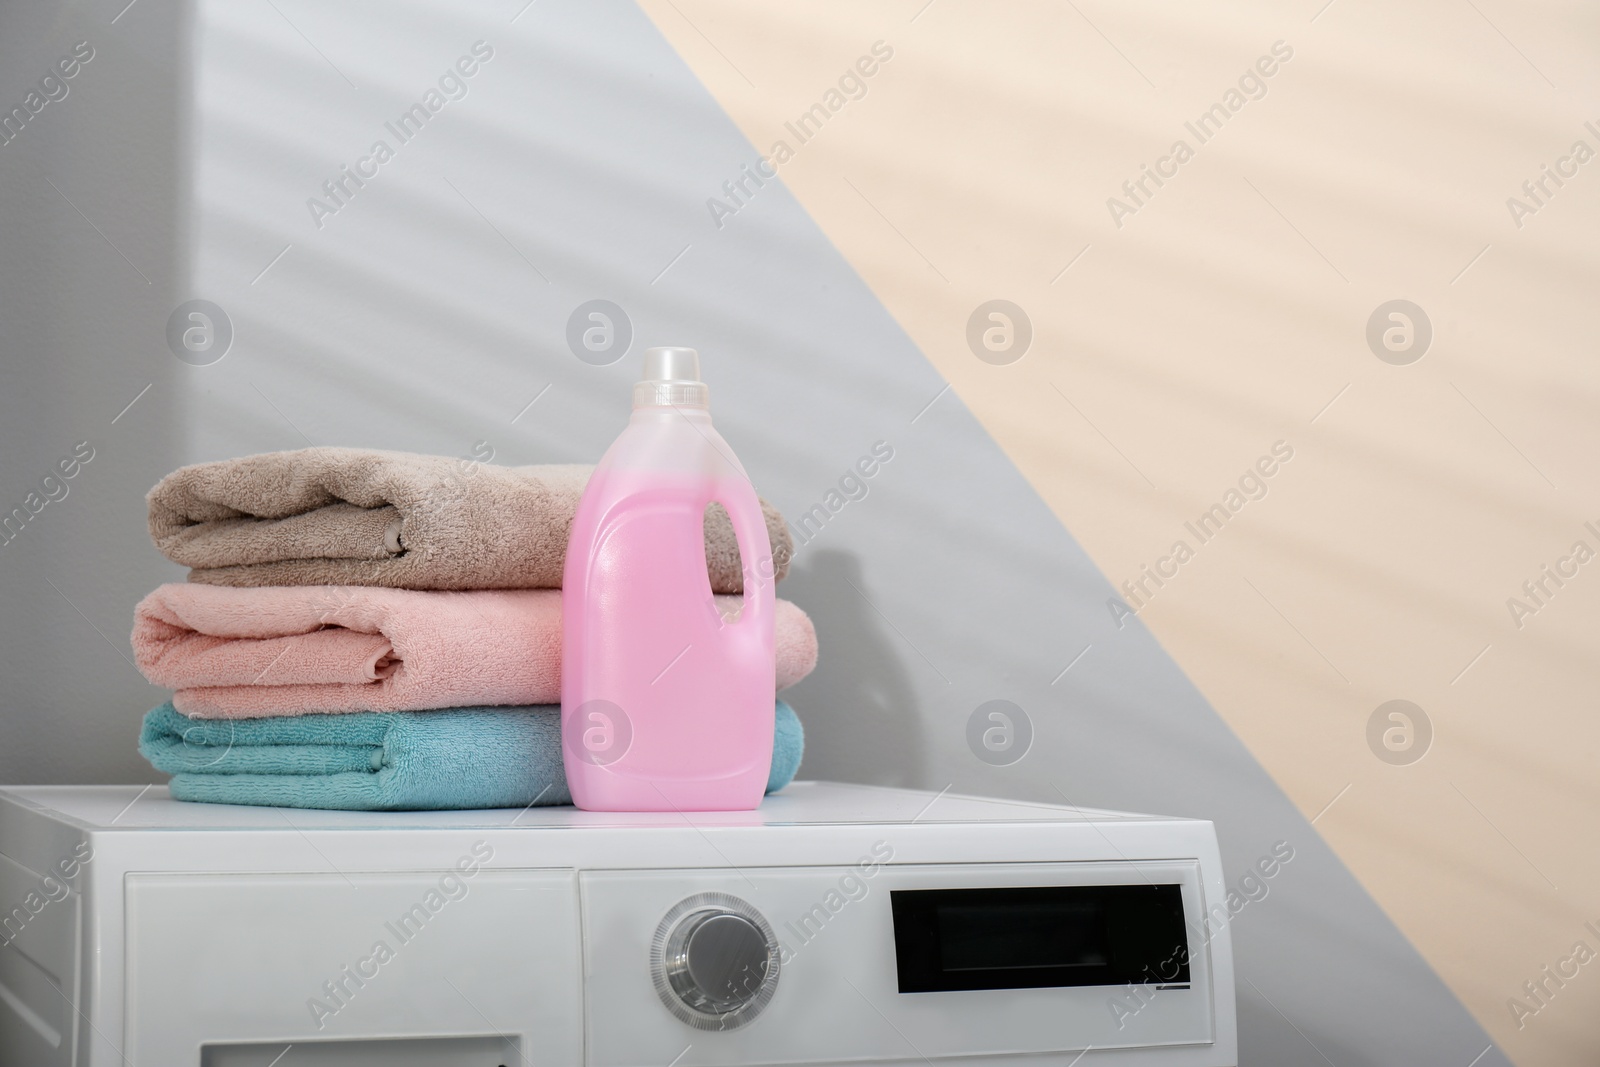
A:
x: 1228, y: 313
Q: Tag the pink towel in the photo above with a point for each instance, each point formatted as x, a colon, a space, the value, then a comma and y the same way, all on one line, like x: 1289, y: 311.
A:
x: 291, y: 650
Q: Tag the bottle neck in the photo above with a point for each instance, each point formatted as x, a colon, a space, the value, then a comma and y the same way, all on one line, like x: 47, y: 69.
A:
x: 671, y: 394
x: 676, y: 413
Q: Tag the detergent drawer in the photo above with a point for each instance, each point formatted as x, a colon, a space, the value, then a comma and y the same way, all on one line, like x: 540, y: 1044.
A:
x: 39, y: 933
x: 233, y: 968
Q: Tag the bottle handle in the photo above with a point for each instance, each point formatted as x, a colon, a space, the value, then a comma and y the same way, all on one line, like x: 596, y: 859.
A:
x: 755, y: 553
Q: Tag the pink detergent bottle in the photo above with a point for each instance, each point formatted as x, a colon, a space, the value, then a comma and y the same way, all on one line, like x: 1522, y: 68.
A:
x: 665, y: 704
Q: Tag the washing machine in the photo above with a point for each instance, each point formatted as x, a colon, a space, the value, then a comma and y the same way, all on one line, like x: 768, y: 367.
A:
x: 837, y: 924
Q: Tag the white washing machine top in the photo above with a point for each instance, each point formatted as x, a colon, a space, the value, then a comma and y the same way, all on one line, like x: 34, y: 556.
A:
x: 803, y: 803
x: 835, y: 924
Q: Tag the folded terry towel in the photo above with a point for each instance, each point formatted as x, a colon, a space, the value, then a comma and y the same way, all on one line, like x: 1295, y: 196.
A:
x: 356, y: 516
x: 290, y: 650
x: 386, y: 761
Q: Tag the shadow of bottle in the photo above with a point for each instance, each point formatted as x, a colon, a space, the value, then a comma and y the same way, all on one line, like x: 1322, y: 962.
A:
x: 859, y: 707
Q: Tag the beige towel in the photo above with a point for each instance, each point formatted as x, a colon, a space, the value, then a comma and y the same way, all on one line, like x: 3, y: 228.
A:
x: 355, y: 516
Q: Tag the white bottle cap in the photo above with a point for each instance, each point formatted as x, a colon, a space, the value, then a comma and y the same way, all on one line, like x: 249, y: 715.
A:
x: 671, y: 365
x: 671, y: 379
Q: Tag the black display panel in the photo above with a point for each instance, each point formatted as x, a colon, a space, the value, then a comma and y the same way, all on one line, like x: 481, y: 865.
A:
x: 1032, y: 937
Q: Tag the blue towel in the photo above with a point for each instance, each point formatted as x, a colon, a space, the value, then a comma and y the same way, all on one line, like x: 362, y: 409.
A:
x: 386, y: 761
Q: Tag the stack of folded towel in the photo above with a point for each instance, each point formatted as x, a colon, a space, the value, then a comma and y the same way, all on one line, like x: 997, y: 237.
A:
x: 382, y: 631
